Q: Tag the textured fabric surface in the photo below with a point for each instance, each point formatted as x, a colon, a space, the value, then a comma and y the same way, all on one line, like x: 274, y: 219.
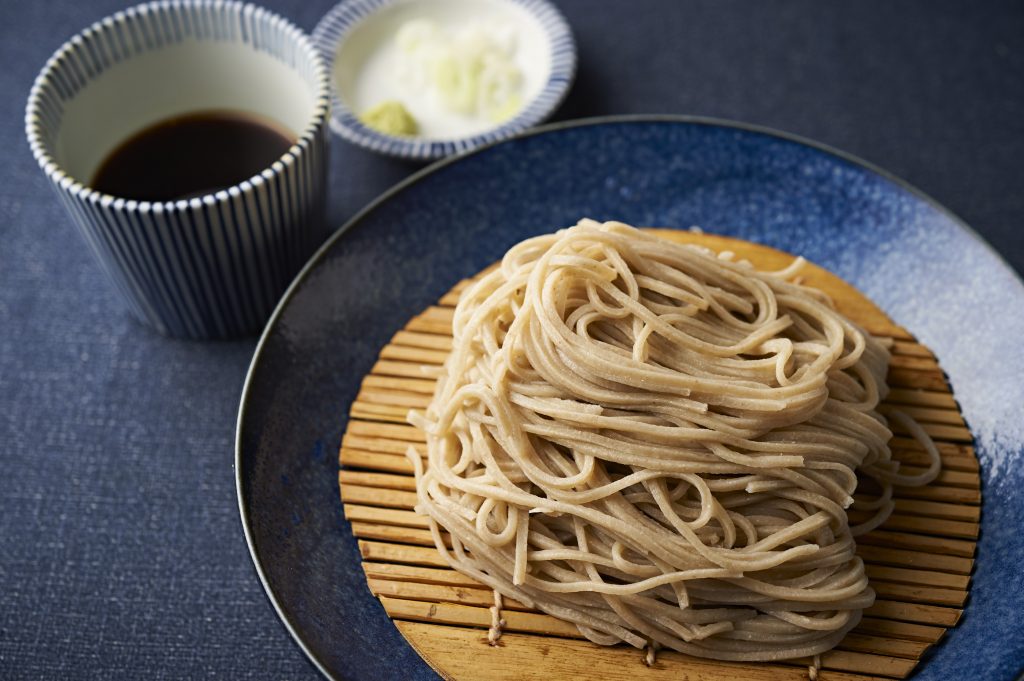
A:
x: 121, y: 552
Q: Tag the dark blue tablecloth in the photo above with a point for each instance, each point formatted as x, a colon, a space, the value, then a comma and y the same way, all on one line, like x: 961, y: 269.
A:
x: 121, y: 551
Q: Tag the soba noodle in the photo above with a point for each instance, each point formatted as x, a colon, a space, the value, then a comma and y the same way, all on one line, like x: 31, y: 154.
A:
x: 660, y: 444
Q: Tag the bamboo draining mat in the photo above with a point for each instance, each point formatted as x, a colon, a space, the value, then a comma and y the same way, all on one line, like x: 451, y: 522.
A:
x: 919, y: 562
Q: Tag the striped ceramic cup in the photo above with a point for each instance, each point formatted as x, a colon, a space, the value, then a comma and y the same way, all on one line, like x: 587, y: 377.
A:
x: 206, y: 267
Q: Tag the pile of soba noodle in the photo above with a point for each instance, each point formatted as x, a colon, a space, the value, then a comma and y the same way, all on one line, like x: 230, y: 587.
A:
x: 659, y: 445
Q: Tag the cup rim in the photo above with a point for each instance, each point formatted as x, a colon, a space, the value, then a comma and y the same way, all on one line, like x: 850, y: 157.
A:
x: 82, y: 191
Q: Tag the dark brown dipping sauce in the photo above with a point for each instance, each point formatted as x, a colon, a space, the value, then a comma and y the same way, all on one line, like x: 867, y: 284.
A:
x: 191, y: 155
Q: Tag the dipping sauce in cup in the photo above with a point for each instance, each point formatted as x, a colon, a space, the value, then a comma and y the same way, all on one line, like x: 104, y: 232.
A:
x: 235, y: 145
x: 188, y: 141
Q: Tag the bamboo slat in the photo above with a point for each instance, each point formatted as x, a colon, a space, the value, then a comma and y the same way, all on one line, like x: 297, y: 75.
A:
x: 905, y: 347
x: 924, y: 398
x: 901, y: 630
x: 357, y: 458
x: 894, y: 557
x: 399, y: 553
x: 938, y: 510
x: 413, y: 573
x: 923, y: 577
x: 914, y: 612
x: 919, y: 562
x: 385, y: 480
x: 423, y: 386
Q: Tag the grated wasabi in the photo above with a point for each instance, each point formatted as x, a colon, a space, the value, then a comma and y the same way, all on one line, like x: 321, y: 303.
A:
x: 391, y: 118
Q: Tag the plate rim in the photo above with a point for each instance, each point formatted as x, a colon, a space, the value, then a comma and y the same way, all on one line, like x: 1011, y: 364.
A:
x: 419, y: 175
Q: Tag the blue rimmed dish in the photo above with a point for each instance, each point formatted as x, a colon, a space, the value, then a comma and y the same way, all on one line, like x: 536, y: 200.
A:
x: 356, y: 38
x: 922, y: 265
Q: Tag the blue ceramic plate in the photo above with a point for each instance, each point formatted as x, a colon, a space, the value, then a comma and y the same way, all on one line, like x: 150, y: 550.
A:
x: 927, y: 269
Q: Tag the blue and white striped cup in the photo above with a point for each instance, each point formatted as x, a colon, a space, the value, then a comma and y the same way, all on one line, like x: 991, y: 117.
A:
x: 207, y: 267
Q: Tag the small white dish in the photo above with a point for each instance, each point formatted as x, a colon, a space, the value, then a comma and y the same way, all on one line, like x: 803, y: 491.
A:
x: 357, y: 39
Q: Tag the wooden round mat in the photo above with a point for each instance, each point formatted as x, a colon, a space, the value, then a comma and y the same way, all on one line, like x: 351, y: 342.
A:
x: 919, y: 562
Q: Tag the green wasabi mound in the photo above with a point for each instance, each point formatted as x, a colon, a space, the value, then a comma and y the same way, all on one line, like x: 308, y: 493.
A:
x: 390, y: 118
